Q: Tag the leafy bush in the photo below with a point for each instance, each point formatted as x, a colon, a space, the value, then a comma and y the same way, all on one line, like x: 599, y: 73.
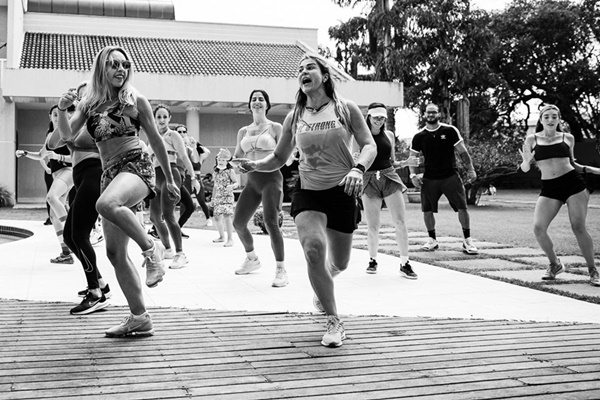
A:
x: 6, y: 199
x: 260, y: 222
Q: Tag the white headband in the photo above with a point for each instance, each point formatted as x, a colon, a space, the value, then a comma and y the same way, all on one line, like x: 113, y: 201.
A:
x: 378, y: 112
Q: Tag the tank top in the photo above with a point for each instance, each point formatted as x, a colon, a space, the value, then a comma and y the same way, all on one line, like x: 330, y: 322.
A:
x: 171, y: 152
x: 264, y: 141
x: 112, y: 123
x: 325, y: 148
x: 557, y: 150
x: 384, y: 152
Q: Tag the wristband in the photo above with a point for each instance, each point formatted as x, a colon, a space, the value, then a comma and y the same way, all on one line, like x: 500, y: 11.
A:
x: 357, y: 170
x: 360, y: 167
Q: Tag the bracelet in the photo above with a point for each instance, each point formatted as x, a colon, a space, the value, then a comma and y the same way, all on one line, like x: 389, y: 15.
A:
x: 61, y: 109
x: 357, y: 170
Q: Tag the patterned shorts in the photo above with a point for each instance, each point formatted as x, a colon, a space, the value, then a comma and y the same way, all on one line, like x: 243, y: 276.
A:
x: 136, y: 162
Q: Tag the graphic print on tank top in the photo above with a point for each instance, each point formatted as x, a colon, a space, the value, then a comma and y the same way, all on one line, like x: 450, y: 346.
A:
x: 325, y: 147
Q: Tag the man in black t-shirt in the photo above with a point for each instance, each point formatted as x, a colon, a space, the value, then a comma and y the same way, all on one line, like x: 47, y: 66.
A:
x: 438, y: 143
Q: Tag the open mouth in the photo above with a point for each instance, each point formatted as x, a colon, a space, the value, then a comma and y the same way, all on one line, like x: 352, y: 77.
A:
x: 305, y: 80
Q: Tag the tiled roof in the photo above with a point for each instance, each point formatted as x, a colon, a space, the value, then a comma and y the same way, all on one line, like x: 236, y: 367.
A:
x: 168, y: 56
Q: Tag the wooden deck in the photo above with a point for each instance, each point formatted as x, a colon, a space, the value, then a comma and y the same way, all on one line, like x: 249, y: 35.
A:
x: 47, y: 354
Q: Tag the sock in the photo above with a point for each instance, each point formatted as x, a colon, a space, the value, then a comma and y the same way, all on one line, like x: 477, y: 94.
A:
x: 403, y: 260
x: 467, y: 233
x: 432, y: 234
x: 251, y: 255
x: 280, y: 264
x: 141, y: 315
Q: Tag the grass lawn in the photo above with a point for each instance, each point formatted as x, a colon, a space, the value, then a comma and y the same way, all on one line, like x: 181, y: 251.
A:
x: 505, y: 218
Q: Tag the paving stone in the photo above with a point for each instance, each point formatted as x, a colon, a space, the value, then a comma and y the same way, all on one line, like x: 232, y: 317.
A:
x: 566, y: 260
x: 512, y: 251
x: 433, y: 257
x: 583, y: 289
x: 487, y: 264
x: 535, y: 275
x: 479, y: 245
x: 382, y: 241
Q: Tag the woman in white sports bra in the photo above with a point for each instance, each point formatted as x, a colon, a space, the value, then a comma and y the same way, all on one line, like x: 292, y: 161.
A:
x: 255, y: 142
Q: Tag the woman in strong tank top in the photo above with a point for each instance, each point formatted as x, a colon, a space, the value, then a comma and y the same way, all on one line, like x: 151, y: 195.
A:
x: 324, y: 205
x: 255, y: 142
x: 114, y: 112
x: 552, y: 151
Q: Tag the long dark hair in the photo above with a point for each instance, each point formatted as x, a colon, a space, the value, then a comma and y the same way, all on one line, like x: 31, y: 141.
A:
x: 265, y: 95
x: 51, y: 125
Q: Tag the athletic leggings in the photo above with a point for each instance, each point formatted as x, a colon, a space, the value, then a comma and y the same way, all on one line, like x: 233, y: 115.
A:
x: 186, y: 204
x: 164, y: 206
x: 82, y: 217
x: 268, y: 188
x: 48, y: 181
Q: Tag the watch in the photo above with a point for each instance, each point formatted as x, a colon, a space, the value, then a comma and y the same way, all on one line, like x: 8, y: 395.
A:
x: 360, y: 167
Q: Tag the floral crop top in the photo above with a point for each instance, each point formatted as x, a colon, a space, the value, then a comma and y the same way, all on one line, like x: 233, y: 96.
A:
x: 112, y: 123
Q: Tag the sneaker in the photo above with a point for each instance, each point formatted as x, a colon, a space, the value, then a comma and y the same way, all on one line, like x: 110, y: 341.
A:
x: 95, y: 238
x: 335, y: 332
x: 209, y: 222
x: 594, y: 277
x: 132, y: 326
x: 281, y: 278
x: 169, y: 254
x: 372, y: 268
x: 184, y: 235
x: 62, y: 259
x: 179, y: 261
x: 430, y: 245
x: 552, y: 271
x: 105, y: 291
x: 407, y: 271
x: 317, y: 304
x: 48, y: 221
x: 155, y: 269
x: 90, y: 304
x: 152, y: 232
x: 248, y: 266
x: 469, y: 247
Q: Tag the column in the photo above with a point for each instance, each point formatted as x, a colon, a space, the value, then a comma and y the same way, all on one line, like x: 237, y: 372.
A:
x: 192, y: 121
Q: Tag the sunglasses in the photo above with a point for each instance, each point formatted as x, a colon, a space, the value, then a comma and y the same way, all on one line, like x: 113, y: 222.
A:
x: 116, y: 64
x: 181, y: 131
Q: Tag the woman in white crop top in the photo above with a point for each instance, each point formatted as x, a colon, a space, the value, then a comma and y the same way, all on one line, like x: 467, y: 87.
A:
x: 255, y: 142
x: 324, y: 204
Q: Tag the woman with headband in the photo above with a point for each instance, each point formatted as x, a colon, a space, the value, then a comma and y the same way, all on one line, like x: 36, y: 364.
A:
x: 552, y: 151
x: 382, y: 183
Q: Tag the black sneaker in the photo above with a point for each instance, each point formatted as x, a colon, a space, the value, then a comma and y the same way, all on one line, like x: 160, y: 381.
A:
x: 105, y: 291
x: 89, y: 304
x: 185, y: 236
x: 372, y: 268
x: 47, y: 221
x: 152, y: 232
x: 407, y: 271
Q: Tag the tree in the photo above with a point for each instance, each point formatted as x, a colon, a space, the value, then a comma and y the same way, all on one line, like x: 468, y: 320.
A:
x: 548, y: 50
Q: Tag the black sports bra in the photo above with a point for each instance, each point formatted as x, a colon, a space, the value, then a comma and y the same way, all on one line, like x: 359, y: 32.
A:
x: 557, y: 150
x: 112, y: 123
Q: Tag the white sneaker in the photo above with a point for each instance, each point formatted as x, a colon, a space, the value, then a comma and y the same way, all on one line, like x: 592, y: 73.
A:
x: 430, y: 245
x: 169, y: 254
x: 209, y: 222
x: 469, y: 247
x: 155, y: 269
x: 248, y: 266
x: 96, y: 237
x: 179, y: 261
x: 281, y: 278
x: 335, y: 332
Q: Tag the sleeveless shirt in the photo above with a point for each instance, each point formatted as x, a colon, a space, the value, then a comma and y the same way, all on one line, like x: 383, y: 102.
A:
x: 557, y: 150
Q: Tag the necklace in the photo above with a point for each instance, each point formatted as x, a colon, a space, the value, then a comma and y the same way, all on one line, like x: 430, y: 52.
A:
x: 316, y: 110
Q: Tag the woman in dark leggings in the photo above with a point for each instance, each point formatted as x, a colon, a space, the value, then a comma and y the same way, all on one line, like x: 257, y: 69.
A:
x: 256, y: 141
x: 87, y: 170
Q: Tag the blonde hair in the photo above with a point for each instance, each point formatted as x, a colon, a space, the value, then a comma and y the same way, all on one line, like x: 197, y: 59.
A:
x: 341, y: 108
x: 99, y: 90
x: 539, y: 127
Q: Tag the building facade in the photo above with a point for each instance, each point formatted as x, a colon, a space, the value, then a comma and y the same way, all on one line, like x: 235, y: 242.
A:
x: 203, y: 71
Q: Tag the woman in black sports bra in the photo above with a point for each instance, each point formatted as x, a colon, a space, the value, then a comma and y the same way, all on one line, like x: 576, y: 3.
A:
x: 552, y: 151
x: 114, y: 112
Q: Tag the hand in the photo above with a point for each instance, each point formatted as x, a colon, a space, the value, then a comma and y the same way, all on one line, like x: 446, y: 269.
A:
x: 195, y: 186
x: 471, y: 176
x: 412, y: 162
x: 20, y: 153
x: 353, y: 183
x: 417, y: 181
x: 53, y: 156
x: 68, y: 99
x: 244, y: 164
x: 526, y: 154
x: 173, y: 192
